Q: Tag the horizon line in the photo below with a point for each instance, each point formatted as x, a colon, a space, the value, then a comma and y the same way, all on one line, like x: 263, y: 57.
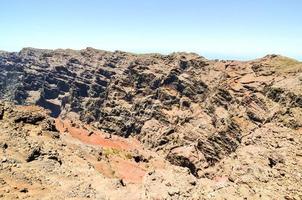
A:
x: 223, y: 56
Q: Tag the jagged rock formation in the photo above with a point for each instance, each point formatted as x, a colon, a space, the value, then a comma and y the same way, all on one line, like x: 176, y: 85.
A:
x: 199, y: 114
x: 39, y: 162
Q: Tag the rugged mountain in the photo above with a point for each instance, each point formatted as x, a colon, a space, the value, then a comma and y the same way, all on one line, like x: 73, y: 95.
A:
x: 235, y: 126
x: 43, y: 158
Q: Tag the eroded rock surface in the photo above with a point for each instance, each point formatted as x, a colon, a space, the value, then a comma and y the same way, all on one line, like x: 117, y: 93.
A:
x: 234, y: 127
x: 54, y: 159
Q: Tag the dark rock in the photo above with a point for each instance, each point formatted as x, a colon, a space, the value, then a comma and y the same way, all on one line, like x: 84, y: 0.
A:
x: 220, y: 144
x: 24, y: 190
x: 4, y: 145
x: 122, y: 182
x: 183, y: 162
x: 34, y: 154
x: 30, y: 119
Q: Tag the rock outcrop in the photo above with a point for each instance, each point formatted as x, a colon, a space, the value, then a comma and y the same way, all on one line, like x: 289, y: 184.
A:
x: 219, y: 120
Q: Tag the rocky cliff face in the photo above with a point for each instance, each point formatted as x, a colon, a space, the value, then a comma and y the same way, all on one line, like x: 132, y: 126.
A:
x: 221, y: 120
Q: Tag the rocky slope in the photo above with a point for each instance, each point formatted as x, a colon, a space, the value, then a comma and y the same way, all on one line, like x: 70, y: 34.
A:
x: 182, y: 126
x: 43, y: 158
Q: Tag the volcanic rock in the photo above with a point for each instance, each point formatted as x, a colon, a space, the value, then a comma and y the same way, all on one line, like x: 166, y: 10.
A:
x: 231, y: 127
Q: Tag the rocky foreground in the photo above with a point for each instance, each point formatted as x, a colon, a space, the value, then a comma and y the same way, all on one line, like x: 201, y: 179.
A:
x: 114, y: 125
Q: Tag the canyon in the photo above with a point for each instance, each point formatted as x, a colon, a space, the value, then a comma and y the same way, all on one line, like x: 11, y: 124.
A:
x: 93, y: 124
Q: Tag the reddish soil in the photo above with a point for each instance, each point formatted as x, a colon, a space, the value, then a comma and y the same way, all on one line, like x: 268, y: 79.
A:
x: 95, y: 137
x: 129, y: 171
x: 116, y: 166
x: 126, y: 170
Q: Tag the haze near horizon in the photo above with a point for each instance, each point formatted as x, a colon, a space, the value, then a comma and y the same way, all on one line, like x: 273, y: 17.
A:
x: 214, y: 29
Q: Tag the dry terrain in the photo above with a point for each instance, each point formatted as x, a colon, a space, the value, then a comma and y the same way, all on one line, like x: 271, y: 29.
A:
x: 93, y: 124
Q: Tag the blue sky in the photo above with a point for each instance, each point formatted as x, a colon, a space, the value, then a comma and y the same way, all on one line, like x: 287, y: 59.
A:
x: 234, y: 29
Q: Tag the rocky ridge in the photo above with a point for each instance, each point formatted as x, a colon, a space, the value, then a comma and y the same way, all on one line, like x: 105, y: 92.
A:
x: 235, y: 126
